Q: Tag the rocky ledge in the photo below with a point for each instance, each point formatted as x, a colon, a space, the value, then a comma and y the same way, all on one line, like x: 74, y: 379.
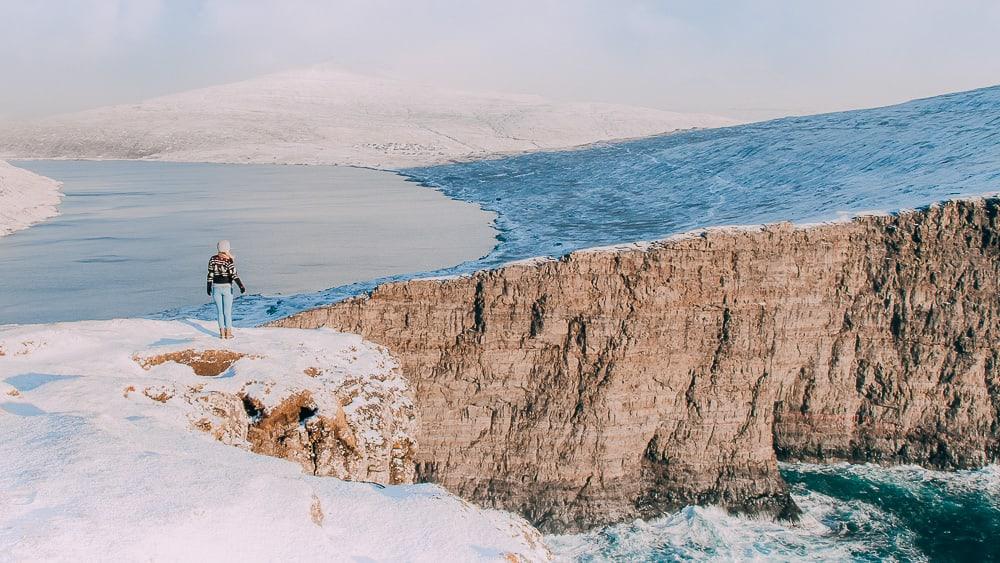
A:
x: 333, y: 403
x: 620, y: 383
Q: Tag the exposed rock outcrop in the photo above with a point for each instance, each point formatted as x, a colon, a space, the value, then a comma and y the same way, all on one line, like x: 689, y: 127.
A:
x: 341, y: 412
x: 208, y: 363
x: 617, y: 383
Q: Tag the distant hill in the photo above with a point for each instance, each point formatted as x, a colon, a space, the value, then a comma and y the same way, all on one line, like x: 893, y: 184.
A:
x: 323, y: 115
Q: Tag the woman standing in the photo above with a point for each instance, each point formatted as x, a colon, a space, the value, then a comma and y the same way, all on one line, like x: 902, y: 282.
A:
x: 221, y: 276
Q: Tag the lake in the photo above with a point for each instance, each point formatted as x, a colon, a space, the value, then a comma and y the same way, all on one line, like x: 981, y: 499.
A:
x: 134, y: 238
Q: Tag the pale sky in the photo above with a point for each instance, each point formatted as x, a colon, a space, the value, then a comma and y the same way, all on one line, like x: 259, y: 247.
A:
x: 748, y: 59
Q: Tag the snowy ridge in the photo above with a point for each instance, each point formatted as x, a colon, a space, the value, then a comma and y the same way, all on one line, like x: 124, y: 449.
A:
x: 323, y: 115
x: 801, y: 169
x: 25, y: 198
x: 102, y: 459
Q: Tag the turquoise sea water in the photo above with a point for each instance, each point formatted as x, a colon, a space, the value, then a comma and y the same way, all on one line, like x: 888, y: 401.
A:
x: 850, y: 513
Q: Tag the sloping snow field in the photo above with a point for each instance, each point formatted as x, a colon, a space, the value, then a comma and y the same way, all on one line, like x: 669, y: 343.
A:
x: 801, y: 169
x: 25, y: 198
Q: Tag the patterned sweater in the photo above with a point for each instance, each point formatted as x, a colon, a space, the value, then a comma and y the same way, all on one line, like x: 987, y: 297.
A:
x: 222, y: 269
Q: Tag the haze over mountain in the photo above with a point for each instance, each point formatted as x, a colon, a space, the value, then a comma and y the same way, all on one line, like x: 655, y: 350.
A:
x: 324, y: 115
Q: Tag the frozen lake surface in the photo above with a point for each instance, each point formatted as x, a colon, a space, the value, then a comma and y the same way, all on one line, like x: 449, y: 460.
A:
x: 134, y: 238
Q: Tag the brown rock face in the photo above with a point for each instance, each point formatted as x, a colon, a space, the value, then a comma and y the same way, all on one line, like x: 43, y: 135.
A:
x: 209, y: 363
x: 612, y: 384
x: 334, y: 404
x: 318, y: 435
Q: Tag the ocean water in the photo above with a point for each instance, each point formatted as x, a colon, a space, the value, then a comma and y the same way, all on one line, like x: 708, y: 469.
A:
x: 850, y: 513
x: 134, y: 238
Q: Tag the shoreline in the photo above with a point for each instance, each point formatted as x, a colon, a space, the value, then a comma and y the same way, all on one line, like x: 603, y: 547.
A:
x: 340, y: 293
x: 26, y: 198
x: 400, y: 167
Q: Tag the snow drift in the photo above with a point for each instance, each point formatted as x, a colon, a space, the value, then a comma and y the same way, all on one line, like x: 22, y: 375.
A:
x: 25, y: 198
x: 322, y: 115
x: 109, y: 449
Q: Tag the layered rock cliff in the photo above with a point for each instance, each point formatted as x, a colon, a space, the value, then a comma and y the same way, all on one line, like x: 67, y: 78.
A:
x: 616, y: 383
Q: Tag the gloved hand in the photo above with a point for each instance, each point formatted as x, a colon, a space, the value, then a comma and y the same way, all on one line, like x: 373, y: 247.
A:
x: 209, y: 289
x: 243, y: 289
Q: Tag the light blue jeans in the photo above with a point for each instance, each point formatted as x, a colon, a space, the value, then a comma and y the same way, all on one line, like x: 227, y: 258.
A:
x: 223, y: 295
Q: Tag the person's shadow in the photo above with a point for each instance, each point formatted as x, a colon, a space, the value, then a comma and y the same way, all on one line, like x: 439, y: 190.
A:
x: 200, y: 328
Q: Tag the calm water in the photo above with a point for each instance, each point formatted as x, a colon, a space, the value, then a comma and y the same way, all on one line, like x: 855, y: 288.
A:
x: 134, y: 238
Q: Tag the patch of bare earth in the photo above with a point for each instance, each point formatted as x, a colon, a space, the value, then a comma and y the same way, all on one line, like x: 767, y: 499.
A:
x: 203, y: 424
x: 26, y: 348
x: 207, y: 363
x: 294, y: 430
x: 160, y: 394
x: 316, y: 511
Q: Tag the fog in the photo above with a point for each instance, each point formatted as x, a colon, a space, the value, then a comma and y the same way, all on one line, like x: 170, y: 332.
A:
x: 749, y: 59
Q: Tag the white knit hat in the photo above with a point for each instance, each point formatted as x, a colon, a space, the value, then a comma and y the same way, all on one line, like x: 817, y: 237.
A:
x: 223, y: 246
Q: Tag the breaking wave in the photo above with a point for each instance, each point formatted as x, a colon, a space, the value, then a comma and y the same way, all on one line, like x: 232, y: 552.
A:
x: 850, y: 513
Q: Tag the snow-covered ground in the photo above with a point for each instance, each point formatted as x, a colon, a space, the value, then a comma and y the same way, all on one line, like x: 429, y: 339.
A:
x: 113, y: 448
x: 25, y: 198
x: 323, y: 115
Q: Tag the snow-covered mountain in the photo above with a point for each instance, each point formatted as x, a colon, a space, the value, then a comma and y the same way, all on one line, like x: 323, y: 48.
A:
x: 323, y: 115
x: 126, y: 440
x: 25, y: 198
